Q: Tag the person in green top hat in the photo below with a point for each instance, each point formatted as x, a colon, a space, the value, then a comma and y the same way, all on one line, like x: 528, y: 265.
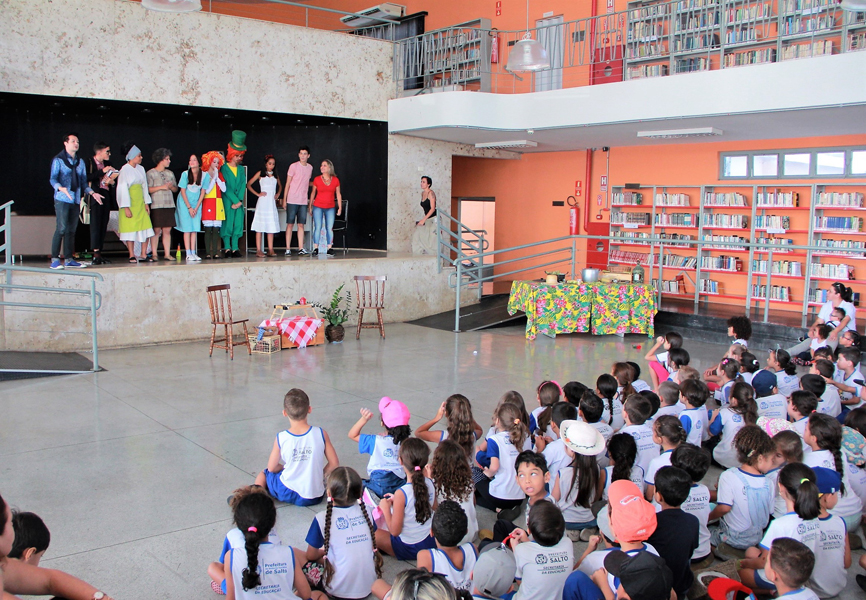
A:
x: 233, y: 197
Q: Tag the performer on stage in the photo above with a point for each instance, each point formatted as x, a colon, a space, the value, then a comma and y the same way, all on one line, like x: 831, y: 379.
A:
x: 213, y: 211
x: 233, y: 197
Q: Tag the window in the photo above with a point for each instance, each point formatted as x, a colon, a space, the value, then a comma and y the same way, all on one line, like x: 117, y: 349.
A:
x: 797, y: 164
x: 765, y: 165
x: 794, y: 163
x: 736, y: 166
x: 858, y: 162
x: 830, y: 163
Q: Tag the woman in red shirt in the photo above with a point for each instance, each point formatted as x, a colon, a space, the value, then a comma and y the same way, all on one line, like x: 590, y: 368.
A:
x: 326, y: 195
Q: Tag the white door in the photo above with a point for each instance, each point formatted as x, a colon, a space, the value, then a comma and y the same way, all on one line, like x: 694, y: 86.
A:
x: 551, y: 34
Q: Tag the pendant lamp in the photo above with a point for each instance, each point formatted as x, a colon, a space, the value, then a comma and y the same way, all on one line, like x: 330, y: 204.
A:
x: 854, y: 5
x: 173, y: 6
x: 529, y: 55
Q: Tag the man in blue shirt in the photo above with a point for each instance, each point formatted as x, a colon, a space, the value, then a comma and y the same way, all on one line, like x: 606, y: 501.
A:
x: 69, y: 180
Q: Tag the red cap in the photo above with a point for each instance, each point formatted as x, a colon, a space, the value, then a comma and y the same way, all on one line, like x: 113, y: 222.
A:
x: 632, y: 518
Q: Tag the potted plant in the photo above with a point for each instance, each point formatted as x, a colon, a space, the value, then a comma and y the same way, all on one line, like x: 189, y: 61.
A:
x: 336, y: 315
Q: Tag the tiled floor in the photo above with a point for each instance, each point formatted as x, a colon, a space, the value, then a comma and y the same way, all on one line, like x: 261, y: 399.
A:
x: 130, y: 468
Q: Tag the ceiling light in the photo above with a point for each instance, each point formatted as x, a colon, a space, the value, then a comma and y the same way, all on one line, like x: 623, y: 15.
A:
x: 172, y: 6
x: 511, y: 144
x: 528, y: 54
x: 854, y: 5
x: 667, y: 134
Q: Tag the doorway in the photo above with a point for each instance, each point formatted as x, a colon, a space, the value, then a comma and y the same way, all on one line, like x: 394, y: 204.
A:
x: 479, y: 214
x: 551, y: 34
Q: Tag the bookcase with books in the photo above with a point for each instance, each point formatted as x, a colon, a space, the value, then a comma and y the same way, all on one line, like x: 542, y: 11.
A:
x: 647, y: 44
x: 823, y: 214
x: 748, y: 28
x: 855, y: 30
x: 696, y: 28
x: 458, y: 58
x: 808, y: 28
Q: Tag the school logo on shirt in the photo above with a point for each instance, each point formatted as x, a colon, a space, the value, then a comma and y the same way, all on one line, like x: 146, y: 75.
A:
x: 301, y: 454
x: 737, y: 418
x: 388, y: 453
x: 342, y: 523
x: 541, y: 559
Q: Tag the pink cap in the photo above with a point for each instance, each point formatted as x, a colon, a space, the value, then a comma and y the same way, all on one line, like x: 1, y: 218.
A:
x: 394, y: 412
x: 632, y: 518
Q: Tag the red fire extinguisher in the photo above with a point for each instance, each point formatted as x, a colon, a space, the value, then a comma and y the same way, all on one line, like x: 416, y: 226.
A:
x: 494, y: 46
x: 573, y: 215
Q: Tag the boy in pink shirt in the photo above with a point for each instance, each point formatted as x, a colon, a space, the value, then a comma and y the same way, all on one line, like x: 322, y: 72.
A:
x: 296, y: 197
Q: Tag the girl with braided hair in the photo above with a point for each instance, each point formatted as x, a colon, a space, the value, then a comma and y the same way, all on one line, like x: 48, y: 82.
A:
x: 343, y: 539
x: 260, y: 569
x: 823, y: 434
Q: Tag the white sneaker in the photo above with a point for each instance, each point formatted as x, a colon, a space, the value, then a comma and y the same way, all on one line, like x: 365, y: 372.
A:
x: 190, y: 258
x: 196, y: 258
x: 288, y: 252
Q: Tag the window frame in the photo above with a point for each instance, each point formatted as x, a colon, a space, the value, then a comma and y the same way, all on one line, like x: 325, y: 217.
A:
x: 780, y: 153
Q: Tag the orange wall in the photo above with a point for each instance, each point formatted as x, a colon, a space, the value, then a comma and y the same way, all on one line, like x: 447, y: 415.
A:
x: 525, y: 188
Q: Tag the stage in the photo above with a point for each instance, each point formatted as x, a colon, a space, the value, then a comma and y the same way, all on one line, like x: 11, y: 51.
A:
x: 163, y: 302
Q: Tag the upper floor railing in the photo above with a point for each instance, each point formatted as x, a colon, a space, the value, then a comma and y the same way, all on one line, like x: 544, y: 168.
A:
x: 649, y: 39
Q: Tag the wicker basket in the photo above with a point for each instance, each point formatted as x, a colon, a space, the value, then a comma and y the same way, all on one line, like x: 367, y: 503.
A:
x: 267, y: 345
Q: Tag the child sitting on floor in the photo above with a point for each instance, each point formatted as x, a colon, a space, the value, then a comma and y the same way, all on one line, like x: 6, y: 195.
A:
x: 452, y: 479
x: 789, y: 566
x: 575, y: 486
x: 693, y: 395
x: 829, y: 402
x: 500, y: 490
x: 545, y: 559
x: 607, y: 388
x: 554, y: 452
x: 669, y: 394
x: 658, y: 362
x: 385, y: 472
x: 301, y: 458
x: 695, y: 461
x: 547, y: 394
x: 668, y: 433
x: 635, y: 414
x: 771, y: 403
x: 741, y: 411
x: 450, y: 558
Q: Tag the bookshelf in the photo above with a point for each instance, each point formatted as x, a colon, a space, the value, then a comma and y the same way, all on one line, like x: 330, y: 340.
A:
x: 458, y: 58
x: 790, y: 213
x: 696, y: 35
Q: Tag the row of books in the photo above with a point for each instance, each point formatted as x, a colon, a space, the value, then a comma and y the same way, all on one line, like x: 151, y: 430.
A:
x: 710, y: 286
x: 676, y: 219
x: 845, y: 199
x: 647, y: 71
x: 696, y: 42
x: 796, y: 25
x: 789, y: 6
x: 724, y: 199
x: 672, y: 199
x: 721, y: 263
x: 674, y: 286
x: 748, y: 13
x: 627, y: 199
x: 697, y: 21
x: 841, y: 246
x: 778, y: 198
x: 831, y: 271
x: 779, y: 267
x: 818, y: 296
x: 746, y: 34
x: 819, y: 48
x: 621, y: 218
x: 839, y: 223
x: 772, y: 222
x: 856, y: 41
x: 752, y: 57
x: 692, y: 65
x: 648, y: 12
x: 777, y: 292
x: 646, y: 51
x: 725, y: 220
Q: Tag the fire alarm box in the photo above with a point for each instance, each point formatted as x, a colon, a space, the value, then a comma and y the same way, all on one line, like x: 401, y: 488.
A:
x: 607, y: 64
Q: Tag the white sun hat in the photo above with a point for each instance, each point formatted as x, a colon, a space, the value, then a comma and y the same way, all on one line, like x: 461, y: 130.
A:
x: 581, y: 437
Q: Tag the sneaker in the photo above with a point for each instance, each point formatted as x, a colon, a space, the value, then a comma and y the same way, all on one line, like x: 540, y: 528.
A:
x: 74, y: 264
x: 196, y: 258
x: 217, y: 588
x: 573, y: 534
x: 302, y: 252
x: 510, y: 514
x: 288, y: 252
x: 190, y: 258
x: 236, y: 254
x: 330, y: 252
x: 315, y: 251
x: 56, y: 264
x: 585, y: 534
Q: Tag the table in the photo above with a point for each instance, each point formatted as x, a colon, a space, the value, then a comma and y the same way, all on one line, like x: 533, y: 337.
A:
x: 599, y: 308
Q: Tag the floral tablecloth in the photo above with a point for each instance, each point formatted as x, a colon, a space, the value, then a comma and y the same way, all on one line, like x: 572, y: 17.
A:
x: 599, y: 308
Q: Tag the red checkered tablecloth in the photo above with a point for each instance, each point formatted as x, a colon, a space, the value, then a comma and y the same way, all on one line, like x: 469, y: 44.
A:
x: 300, y: 330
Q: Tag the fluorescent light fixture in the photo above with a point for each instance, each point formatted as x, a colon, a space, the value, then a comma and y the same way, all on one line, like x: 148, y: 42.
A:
x: 511, y: 144
x: 172, y: 6
x: 680, y: 133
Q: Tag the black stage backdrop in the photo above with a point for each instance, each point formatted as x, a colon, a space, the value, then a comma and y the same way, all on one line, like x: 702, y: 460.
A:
x: 35, y: 127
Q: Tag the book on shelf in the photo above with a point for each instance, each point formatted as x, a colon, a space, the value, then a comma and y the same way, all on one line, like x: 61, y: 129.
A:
x: 805, y: 6
x: 747, y: 13
x: 676, y: 220
x: 777, y: 292
x: 751, y: 57
x: 692, y: 65
x: 840, y: 224
x: 647, y: 12
x: 645, y: 31
x: 724, y: 199
x: 776, y: 242
x: 745, y: 34
x: 780, y: 267
x: 621, y: 218
x: 715, y: 242
x: 627, y: 199
x: 722, y: 263
x: 818, y: 296
x: 646, y: 71
x: 696, y: 21
x: 672, y: 199
x: 710, y: 286
x: 775, y: 222
x: 819, y: 48
x: 841, y: 272
x: 856, y: 41
x: 673, y: 286
x: 685, y: 5
x: 841, y: 246
x: 725, y: 220
x: 777, y: 199
x: 840, y: 199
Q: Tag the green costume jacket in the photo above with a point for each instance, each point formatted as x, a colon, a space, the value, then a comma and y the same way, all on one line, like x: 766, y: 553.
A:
x: 235, y: 186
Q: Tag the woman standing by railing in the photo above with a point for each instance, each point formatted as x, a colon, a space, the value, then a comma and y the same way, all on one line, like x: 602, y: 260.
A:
x: 424, y: 236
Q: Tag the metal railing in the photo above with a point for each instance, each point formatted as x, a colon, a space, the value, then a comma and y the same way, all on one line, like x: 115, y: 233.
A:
x: 8, y: 287
x: 661, y: 39
x: 564, y: 250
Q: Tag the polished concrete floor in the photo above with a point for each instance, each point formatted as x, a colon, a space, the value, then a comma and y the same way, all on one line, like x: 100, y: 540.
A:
x: 130, y: 468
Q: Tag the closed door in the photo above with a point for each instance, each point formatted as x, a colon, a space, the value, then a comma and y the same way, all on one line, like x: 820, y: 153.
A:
x: 551, y: 34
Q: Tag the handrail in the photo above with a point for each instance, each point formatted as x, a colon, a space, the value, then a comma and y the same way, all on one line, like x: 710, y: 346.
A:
x: 9, y: 268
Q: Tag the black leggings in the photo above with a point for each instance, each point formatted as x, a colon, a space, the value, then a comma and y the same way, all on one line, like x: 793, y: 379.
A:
x: 211, y: 241
x: 99, y: 221
x: 485, y: 500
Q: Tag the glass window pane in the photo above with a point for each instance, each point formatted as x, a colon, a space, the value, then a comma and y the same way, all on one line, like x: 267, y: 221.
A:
x: 766, y: 165
x: 830, y: 163
x: 797, y: 164
x: 858, y: 162
x: 736, y: 166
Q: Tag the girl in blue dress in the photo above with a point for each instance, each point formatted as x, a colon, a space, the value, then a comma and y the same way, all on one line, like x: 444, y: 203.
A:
x: 187, y: 214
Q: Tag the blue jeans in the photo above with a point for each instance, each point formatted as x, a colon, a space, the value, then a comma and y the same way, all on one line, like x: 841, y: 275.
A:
x: 329, y: 214
x: 67, y: 223
x: 579, y: 586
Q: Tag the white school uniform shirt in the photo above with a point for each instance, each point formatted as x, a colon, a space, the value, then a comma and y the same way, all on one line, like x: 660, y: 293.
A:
x: 830, y: 403
x: 640, y: 385
x: 276, y: 569
x: 460, y: 579
x: 554, y: 454
x: 850, y: 380
x: 533, y: 423
x: 698, y: 504
x: 668, y: 409
x: 571, y: 512
x: 731, y: 492
x: 694, y: 422
x: 774, y: 406
x: 542, y: 570
x: 303, y: 457
x: 747, y: 377
x: 647, y: 449
x: 618, y: 421
x: 829, y: 576
x: 723, y: 394
x: 803, y: 593
x: 779, y: 506
x: 350, y: 550
x: 725, y: 453
x: 800, y: 427
x: 413, y: 531
x: 787, y: 384
x: 636, y: 477
x: 858, y: 482
x: 604, y: 429
x: 790, y: 525
x: 384, y: 454
x: 849, y: 503
x: 468, y: 506
x: 659, y: 462
x: 662, y: 357
x: 504, y: 483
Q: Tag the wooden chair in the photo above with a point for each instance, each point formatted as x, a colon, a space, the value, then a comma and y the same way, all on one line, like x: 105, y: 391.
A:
x: 370, y: 294
x: 220, y: 302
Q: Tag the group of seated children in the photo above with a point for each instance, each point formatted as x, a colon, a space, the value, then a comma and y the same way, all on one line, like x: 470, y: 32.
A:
x: 609, y: 459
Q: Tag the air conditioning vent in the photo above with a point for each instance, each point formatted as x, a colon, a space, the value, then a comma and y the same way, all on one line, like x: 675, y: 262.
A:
x: 509, y: 145
x: 374, y: 15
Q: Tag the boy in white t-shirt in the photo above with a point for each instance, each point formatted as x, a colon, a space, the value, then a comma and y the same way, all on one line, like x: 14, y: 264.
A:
x: 450, y: 558
x: 694, y: 394
x: 789, y: 566
x: 849, y: 379
x: 695, y: 461
x: 829, y: 403
x: 545, y: 561
x: 669, y: 394
x: 554, y: 452
x: 771, y: 403
x: 635, y: 412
